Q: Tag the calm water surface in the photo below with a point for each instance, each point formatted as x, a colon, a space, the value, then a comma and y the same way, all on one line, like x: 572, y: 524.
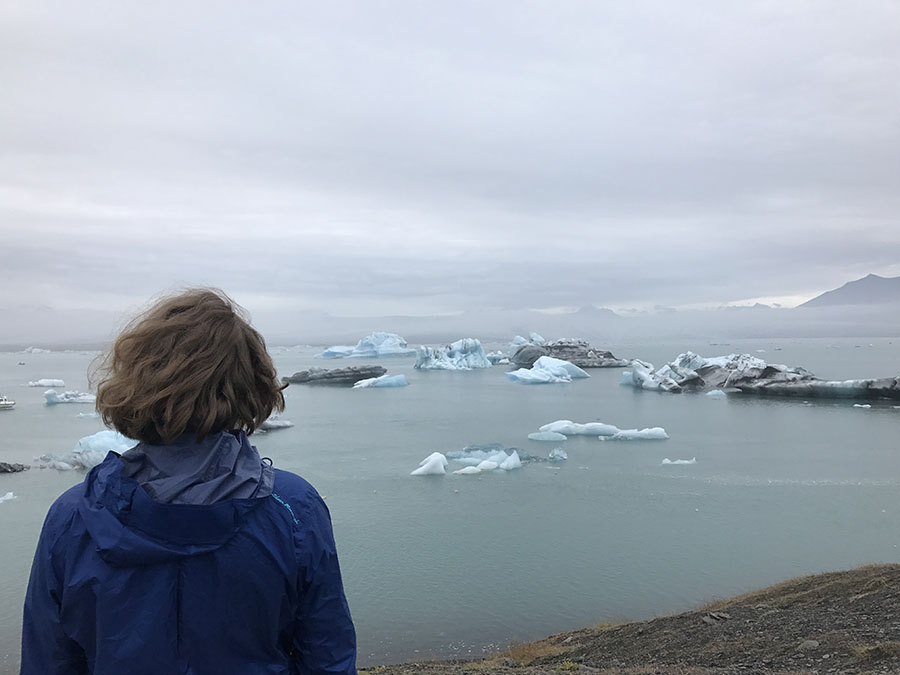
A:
x: 457, y: 565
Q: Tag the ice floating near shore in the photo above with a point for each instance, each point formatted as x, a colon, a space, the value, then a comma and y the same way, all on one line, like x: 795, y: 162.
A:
x: 569, y: 428
x: 433, y: 465
x: 651, y: 434
x: 716, y: 393
x: 53, y: 397
x: 88, y: 452
x: 465, y: 354
x: 373, y: 346
x: 668, y: 461
x: 558, y: 455
x: 9, y: 496
x: 547, y: 370
x: 547, y: 436
x: 386, y: 381
x: 47, y: 382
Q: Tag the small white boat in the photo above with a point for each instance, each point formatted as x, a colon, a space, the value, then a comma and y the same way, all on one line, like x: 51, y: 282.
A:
x: 6, y: 404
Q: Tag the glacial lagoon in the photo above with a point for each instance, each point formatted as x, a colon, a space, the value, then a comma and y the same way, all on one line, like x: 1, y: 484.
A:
x: 457, y: 565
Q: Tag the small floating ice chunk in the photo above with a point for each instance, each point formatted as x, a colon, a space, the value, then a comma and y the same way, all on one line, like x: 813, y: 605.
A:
x: 47, y: 382
x: 467, y: 470
x: 570, y: 428
x: 668, y: 461
x: 487, y: 465
x: 9, y: 496
x: 547, y: 436
x: 716, y: 393
x: 547, y: 370
x: 433, y: 465
x: 558, y: 455
x: 387, y: 381
x: 511, y: 462
x: 862, y: 405
x: 91, y: 415
x: 275, y: 422
x: 53, y: 397
x: 651, y: 434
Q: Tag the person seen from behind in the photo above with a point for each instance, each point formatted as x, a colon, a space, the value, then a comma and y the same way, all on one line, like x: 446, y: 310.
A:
x: 189, y: 553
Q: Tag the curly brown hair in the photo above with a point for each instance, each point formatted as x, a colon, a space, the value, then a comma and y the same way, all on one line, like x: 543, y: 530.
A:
x: 190, y: 364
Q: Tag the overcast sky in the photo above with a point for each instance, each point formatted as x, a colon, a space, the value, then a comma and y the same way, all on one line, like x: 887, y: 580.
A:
x: 428, y: 157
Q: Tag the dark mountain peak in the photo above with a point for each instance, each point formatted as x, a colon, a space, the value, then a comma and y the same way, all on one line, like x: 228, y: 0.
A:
x: 871, y: 289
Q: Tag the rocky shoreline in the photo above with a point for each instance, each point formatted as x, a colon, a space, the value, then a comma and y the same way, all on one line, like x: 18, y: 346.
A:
x: 838, y: 622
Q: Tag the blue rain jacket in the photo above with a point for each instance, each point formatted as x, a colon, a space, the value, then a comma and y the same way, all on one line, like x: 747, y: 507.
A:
x: 125, y: 584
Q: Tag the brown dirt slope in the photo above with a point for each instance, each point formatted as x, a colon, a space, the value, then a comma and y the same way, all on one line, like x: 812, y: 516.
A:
x: 839, y: 622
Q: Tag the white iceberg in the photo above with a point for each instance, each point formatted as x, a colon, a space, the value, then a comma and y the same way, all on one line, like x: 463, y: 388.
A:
x: 547, y: 370
x: 433, y: 465
x: 651, y: 434
x: 547, y: 436
x: 716, y: 393
x: 532, y: 339
x: 668, y: 461
x: 465, y: 354
x: 558, y: 455
x: 9, y: 496
x: 47, y: 382
x: 570, y: 428
x: 88, y: 452
x: 372, y: 346
x: 53, y: 397
x: 487, y: 465
x: 35, y: 350
x: 382, y: 381
x: 862, y: 405
x: 275, y: 422
x: 466, y: 470
x: 642, y: 376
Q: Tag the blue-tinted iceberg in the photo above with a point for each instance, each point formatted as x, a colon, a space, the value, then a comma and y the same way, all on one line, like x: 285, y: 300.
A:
x: 372, y: 346
x: 498, y: 358
x: 88, y: 452
x: 547, y: 370
x: 383, y: 381
x: 547, y: 436
x: 47, y: 382
x: 465, y: 354
x: 532, y: 339
x: 53, y: 397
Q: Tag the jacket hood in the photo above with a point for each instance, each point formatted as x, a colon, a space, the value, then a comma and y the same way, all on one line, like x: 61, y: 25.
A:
x: 131, y: 528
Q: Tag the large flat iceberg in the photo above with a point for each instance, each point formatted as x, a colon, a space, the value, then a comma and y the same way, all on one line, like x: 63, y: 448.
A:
x: 372, y: 346
x: 54, y: 397
x: 385, y: 381
x: 465, y: 354
x: 547, y: 370
x: 570, y: 428
x: 88, y: 452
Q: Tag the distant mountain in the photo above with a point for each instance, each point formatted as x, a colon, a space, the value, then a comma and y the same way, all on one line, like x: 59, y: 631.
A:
x: 870, y: 290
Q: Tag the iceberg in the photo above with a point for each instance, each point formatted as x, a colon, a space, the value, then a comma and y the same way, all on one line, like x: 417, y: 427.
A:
x: 35, y: 350
x: 651, y: 434
x: 547, y: 436
x: 569, y: 428
x: 667, y: 461
x: 338, y: 376
x: 498, y: 358
x: 53, y: 397
x: 558, y: 455
x: 511, y: 462
x: 480, y: 458
x: 382, y: 381
x: 433, y: 465
x: 465, y: 354
x: 88, y: 452
x: 47, y: 382
x: 547, y: 370
x: 862, y: 405
x: 9, y: 496
x: 487, y: 465
x: 91, y: 415
x: 574, y: 350
x: 467, y: 470
x: 716, y: 393
x: 532, y: 339
x: 275, y: 422
x: 373, y: 346
x: 642, y: 376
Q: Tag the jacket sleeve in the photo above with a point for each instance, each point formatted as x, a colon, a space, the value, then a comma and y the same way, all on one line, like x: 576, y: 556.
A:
x: 46, y: 649
x: 324, y: 640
